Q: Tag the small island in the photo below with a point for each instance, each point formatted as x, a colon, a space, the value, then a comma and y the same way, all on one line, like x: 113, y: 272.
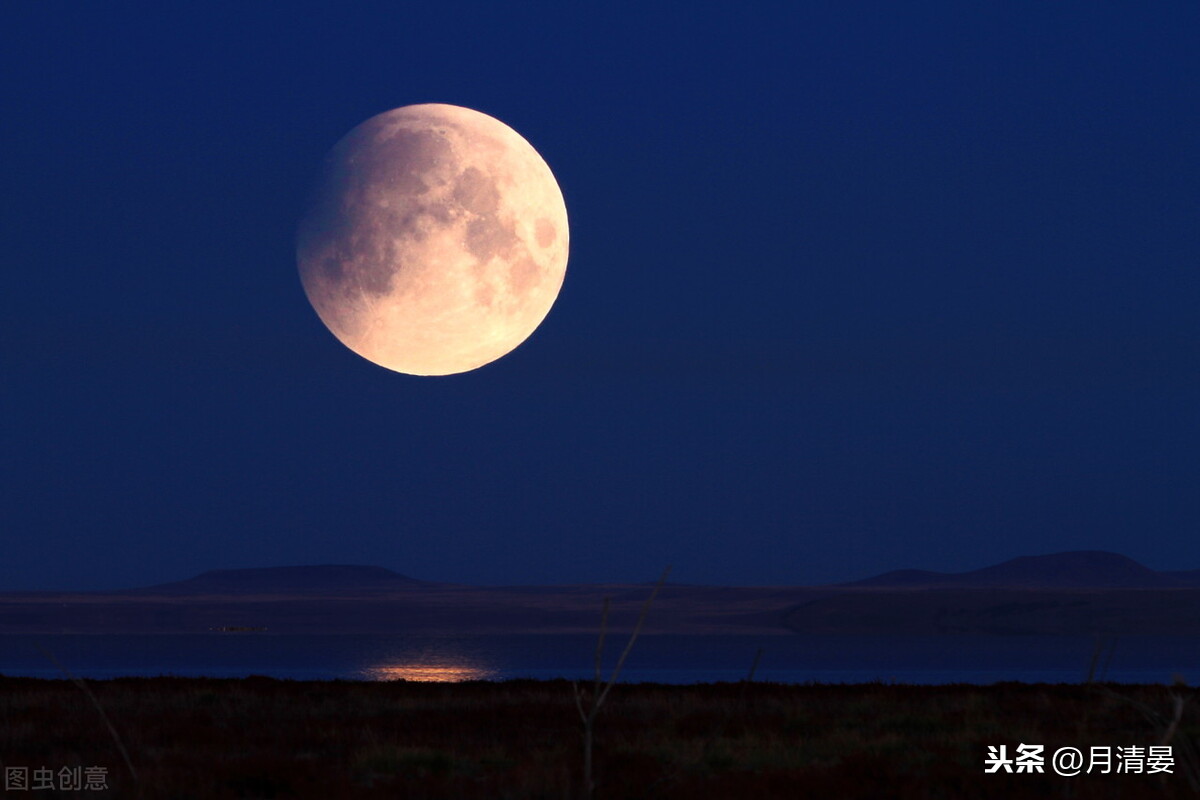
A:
x: 239, y: 628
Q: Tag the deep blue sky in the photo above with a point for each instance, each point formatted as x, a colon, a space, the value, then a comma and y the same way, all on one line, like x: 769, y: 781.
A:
x: 852, y: 287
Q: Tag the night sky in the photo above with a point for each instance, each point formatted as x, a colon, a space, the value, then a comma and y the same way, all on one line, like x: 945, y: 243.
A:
x: 852, y: 287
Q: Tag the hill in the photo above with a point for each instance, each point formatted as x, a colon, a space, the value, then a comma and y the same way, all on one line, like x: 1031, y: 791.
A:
x: 1080, y: 569
x: 323, y: 580
x: 1074, y: 593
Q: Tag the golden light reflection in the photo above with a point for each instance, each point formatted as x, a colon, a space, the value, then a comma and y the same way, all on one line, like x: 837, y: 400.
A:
x: 427, y: 673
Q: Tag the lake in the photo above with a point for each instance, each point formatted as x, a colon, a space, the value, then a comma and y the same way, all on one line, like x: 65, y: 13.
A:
x: 661, y: 659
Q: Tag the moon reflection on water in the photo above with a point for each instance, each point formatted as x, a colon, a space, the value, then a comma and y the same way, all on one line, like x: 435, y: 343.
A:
x: 427, y: 673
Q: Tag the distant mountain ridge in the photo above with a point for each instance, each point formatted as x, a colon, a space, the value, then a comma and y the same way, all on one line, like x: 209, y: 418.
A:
x: 321, y: 579
x: 1077, y: 569
x: 1074, y: 593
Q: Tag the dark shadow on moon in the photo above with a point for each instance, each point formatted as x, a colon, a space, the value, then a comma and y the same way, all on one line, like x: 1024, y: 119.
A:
x: 476, y: 192
x: 396, y: 215
x: 488, y: 236
x: 353, y: 206
x: 375, y: 193
x: 400, y: 164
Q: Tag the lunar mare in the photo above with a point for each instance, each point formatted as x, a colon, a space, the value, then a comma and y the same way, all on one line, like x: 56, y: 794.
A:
x: 435, y: 240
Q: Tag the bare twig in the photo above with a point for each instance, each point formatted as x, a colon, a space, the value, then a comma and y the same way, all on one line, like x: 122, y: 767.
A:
x: 1179, y: 701
x: 1112, y: 647
x: 579, y: 701
x: 598, y: 696
x: 1185, y: 748
x: 600, y: 643
x: 754, y: 666
x: 87, y: 691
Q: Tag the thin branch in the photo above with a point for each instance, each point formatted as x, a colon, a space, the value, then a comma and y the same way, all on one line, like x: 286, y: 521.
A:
x: 579, y: 702
x: 754, y: 666
x: 1179, y: 702
x: 113, y: 731
x: 633, y: 638
x: 600, y: 645
x: 598, y: 696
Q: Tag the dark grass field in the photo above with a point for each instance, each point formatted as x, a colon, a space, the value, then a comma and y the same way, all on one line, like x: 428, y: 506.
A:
x: 266, y: 738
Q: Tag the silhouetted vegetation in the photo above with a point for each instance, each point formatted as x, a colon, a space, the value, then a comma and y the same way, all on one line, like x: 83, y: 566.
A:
x: 267, y: 738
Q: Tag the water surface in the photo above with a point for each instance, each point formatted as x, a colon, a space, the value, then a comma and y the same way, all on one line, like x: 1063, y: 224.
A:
x: 662, y: 659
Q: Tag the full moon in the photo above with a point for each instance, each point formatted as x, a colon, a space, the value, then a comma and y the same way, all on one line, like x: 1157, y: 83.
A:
x: 435, y: 241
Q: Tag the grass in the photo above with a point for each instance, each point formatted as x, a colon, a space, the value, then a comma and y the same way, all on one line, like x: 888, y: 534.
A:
x: 202, y: 739
x: 83, y: 687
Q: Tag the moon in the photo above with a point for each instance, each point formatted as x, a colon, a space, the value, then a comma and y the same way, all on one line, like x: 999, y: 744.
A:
x: 435, y: 240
